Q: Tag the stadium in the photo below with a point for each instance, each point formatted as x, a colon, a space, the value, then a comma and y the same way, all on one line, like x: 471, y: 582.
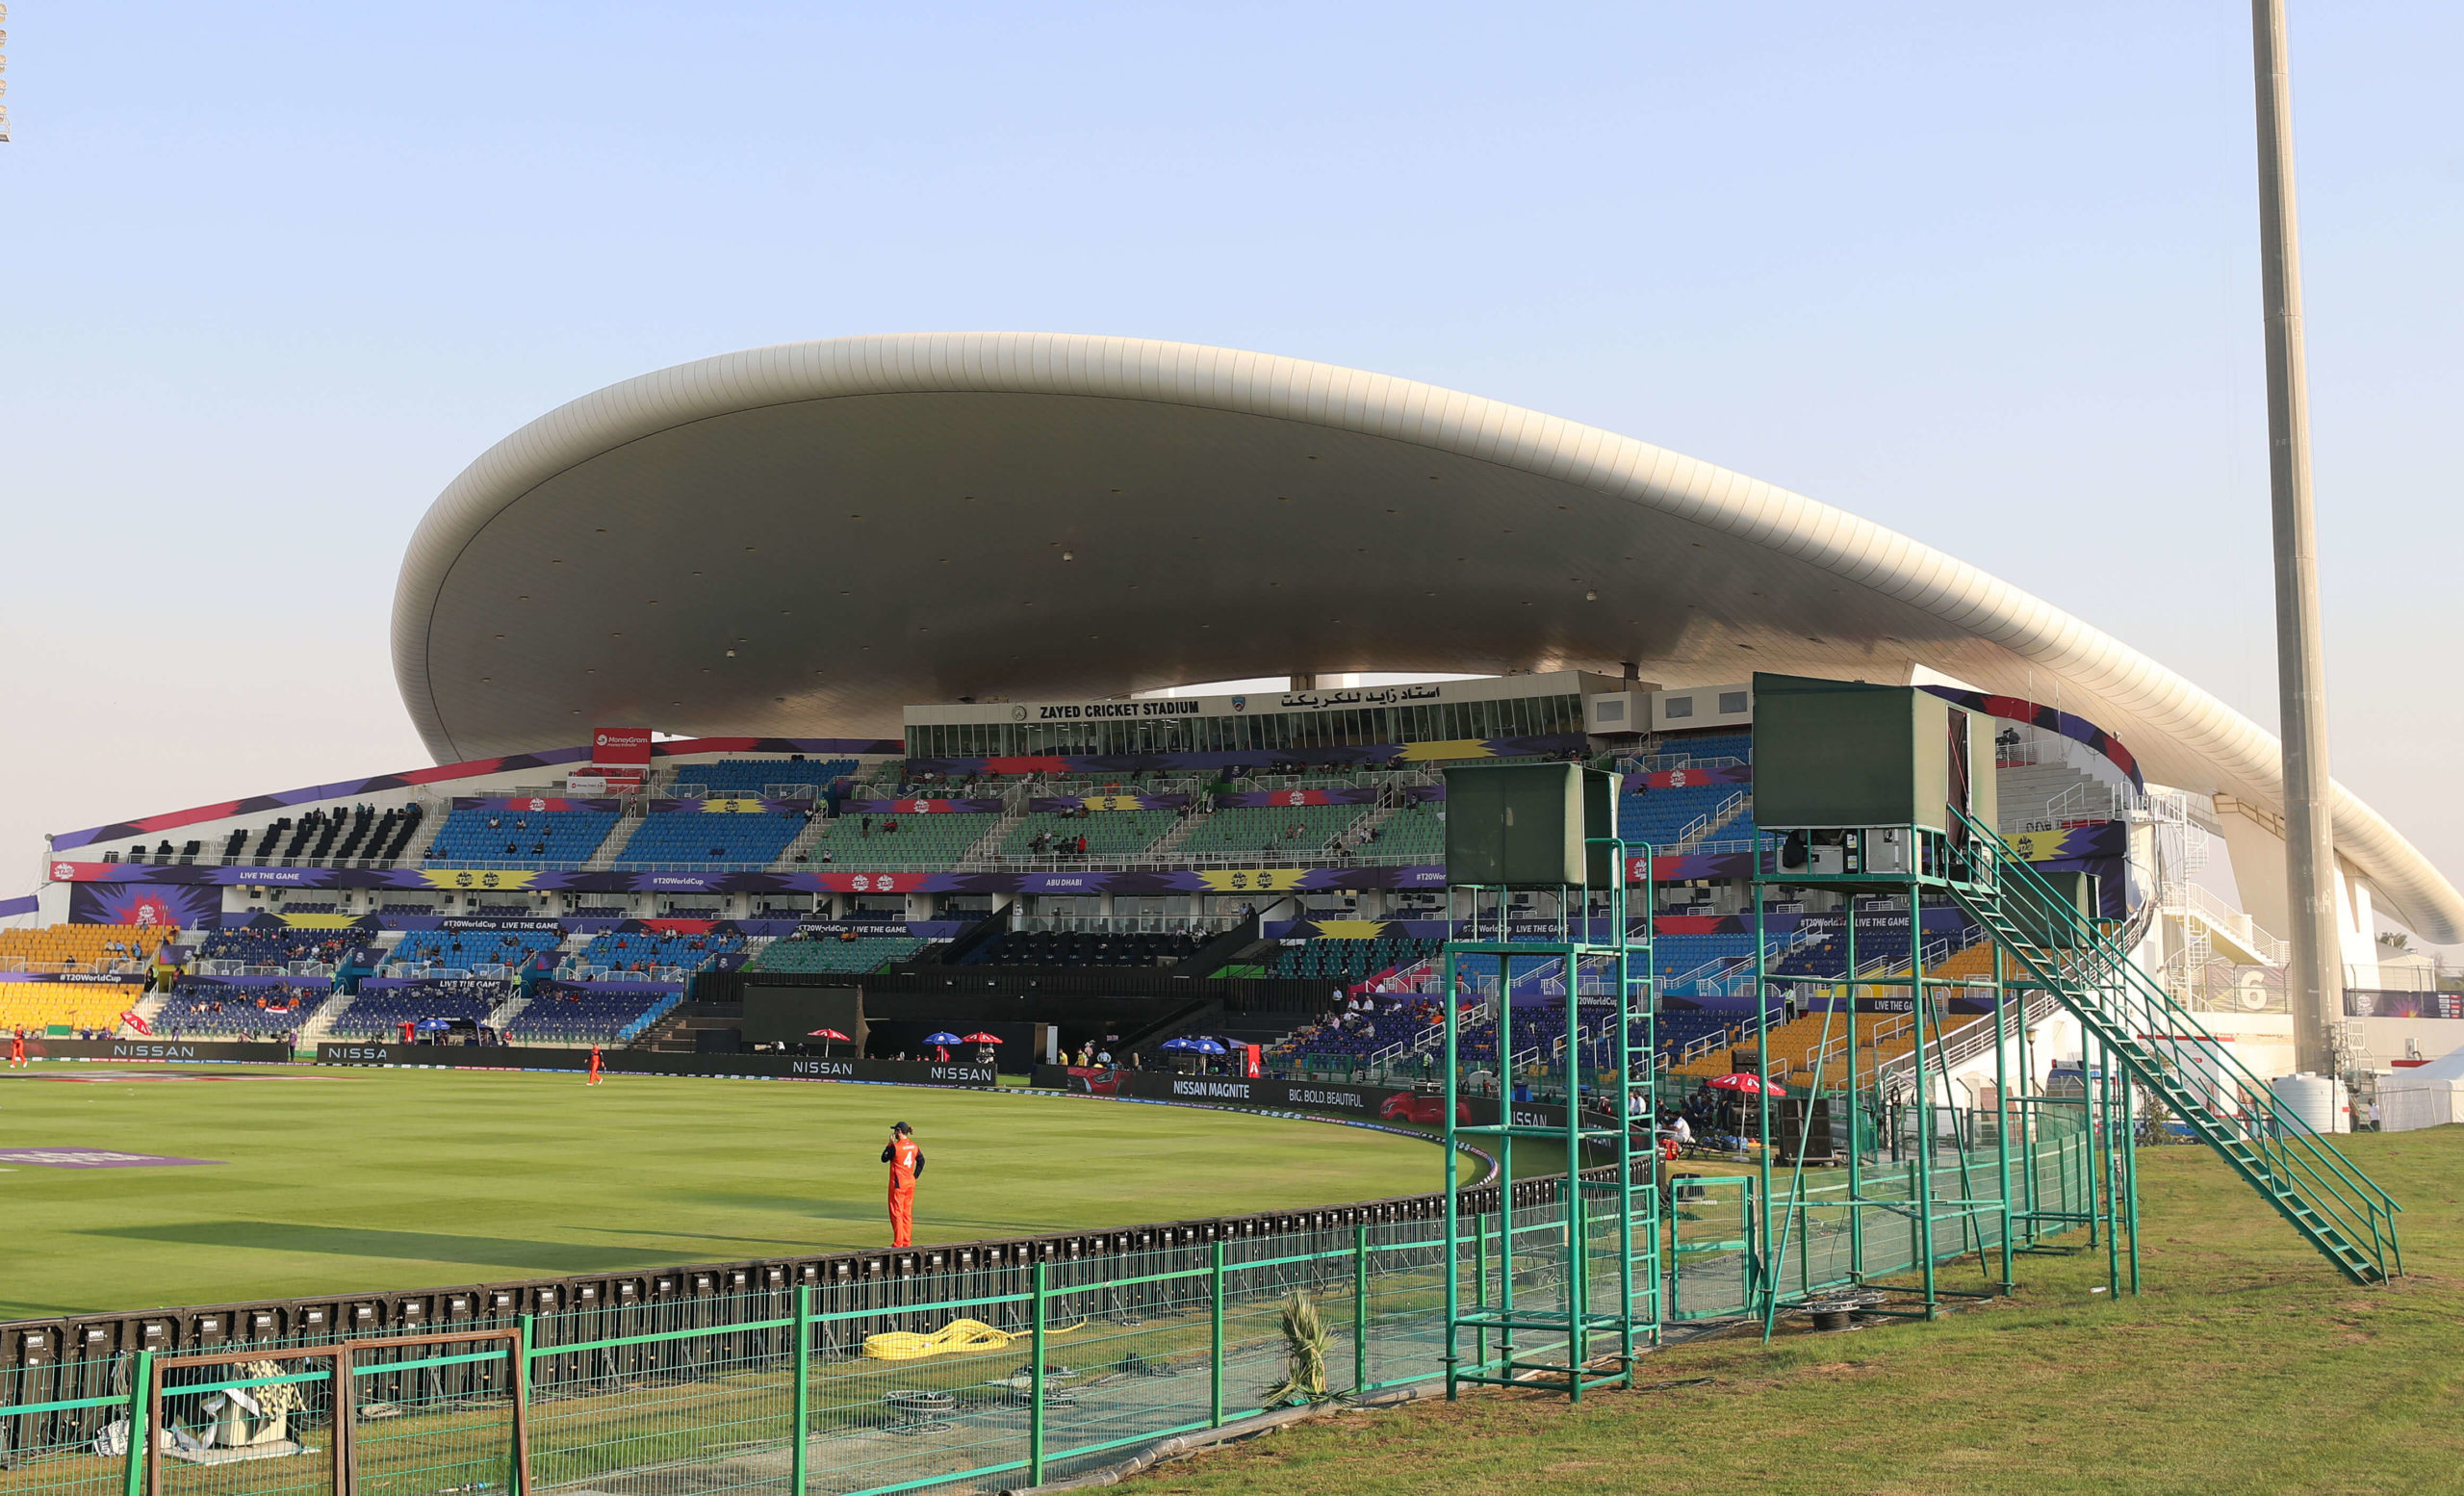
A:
x: 1052, y: 739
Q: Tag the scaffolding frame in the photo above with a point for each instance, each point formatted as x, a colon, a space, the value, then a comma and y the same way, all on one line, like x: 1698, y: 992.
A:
x: 1936, y: 863
x: 1491, y: 1321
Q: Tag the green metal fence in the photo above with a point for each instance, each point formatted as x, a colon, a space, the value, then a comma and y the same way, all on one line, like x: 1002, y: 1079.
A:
x: 1070, y: 1361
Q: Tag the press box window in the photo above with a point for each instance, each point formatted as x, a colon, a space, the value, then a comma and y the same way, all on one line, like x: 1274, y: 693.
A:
x: 1677, y: 707
x: 1732, y: 703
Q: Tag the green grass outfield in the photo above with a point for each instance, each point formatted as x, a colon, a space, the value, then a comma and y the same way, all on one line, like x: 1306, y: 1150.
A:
x: 335, y: 1180
x: 2248, y: 1366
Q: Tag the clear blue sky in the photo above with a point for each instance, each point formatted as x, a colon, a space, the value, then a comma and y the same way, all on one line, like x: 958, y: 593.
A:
x: 273, y: 273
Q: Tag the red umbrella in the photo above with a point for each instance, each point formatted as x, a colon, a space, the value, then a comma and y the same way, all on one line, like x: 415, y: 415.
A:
x: 829, y: 1033
x: 980, y: 1039
x: 1751, y: 1084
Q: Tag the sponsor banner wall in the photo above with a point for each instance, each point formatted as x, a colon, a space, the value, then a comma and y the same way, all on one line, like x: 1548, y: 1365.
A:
x: 734, y: 805
x: 1373, y: 1103
x: 642, y: 1062
x: 536, y: 804
x: 924, y: 805
x: 165, y: 1051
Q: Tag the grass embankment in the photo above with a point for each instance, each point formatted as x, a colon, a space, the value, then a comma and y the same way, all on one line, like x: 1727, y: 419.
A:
x: 342, y: 1181
x: 2247, y: 1365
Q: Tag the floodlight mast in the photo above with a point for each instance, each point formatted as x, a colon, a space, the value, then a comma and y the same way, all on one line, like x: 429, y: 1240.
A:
x: 2301, y: 669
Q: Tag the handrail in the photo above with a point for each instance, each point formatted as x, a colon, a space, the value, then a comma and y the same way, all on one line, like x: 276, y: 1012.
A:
x: 2183, y: 898
x: 2153, y: 1025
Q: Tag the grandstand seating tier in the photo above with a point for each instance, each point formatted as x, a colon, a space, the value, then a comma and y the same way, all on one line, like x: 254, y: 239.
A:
x: 755, y: 775
x: 485, y: 836
x: 1107, y: 833
x: 646, y: 951
x: 51, y: 946
x: 220, y: 1010
x: 828, y: 952
x: 35, y: 1006
x: 1287, y: 830
x: 898, y: 840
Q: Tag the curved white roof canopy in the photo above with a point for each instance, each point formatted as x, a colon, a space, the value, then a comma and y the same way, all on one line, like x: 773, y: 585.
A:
x: 870, y: 522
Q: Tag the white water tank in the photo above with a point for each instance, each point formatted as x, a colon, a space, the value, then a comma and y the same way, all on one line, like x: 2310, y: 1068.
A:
x: 2315, y: 1099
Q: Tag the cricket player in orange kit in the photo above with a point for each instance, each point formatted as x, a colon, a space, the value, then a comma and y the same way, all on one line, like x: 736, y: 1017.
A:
x: 906, y: 1166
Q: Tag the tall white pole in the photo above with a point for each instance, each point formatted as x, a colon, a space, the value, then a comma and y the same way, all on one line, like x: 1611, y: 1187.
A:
x: 2315, y: 979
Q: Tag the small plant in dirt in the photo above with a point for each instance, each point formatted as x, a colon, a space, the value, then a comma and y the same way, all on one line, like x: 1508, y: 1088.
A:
x: 1305, y: 1341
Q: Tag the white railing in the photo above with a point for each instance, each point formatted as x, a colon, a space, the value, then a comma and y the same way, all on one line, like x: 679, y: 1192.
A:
x: 1720, y: 816
x: 1656, y: 763
x: 1836, y: 1047
x: 2185, y: 900
x: 582, y: 973
x: 1123, y: 924
x: 229, y: 967
x: 1702, y: 1045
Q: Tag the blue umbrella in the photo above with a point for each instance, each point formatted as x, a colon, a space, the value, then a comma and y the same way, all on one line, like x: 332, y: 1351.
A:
x: 943, y: 1038
x: 1178, y: 1044
x: 1204, y: 1046
x: 431, y: 1025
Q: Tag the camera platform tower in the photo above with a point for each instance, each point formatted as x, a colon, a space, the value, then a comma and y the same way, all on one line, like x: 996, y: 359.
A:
x: 1554, y: 1289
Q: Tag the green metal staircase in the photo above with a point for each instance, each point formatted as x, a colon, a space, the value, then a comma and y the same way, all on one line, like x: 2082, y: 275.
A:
x: 2334, y: 1205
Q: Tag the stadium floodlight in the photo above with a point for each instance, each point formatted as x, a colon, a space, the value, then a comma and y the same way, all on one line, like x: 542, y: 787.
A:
x: 2302, y: 664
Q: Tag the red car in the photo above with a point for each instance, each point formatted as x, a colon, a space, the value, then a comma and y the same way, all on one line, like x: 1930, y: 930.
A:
x: 1423, y: 1111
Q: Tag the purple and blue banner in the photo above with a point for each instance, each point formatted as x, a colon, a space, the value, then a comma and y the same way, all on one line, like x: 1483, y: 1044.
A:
x: 730, y: 805
x: 535, y: 805
x: 2018, y: 709
x: 1340, y: 794
x: 981, y: 804
x: 1172, y: 802
x: 2361, y: 1002
x: 130, y: 884
x: 471, y: 768
x: 1271, y: 799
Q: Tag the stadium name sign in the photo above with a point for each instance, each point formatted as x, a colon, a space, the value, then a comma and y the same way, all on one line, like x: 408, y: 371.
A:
x: 1080, y: 712
x: 643, y: 1062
